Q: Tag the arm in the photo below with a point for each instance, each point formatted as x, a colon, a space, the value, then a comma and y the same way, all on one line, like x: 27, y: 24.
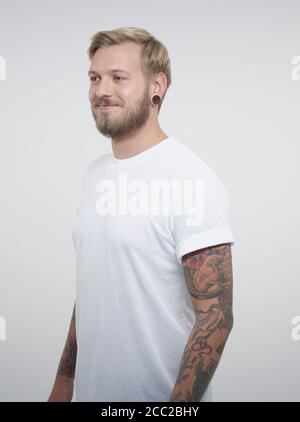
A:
x: 64, y: 382
x: 208, y: 274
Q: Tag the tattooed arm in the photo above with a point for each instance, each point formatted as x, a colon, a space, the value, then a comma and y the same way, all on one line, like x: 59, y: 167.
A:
x: 208, y: 274
x: 64, y: 381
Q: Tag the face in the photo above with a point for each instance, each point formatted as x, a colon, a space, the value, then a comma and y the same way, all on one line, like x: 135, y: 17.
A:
x: 126, y: 91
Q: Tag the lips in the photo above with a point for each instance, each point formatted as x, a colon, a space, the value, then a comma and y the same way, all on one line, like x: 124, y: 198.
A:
x: 106, y: 106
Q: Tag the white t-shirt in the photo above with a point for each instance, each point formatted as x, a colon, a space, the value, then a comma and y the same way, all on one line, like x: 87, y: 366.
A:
x: 134, y: 313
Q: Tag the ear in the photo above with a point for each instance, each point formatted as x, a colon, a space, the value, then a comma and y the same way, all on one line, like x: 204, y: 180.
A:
x: 159, y: 85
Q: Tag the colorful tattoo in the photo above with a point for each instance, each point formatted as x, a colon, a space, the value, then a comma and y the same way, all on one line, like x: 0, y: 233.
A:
x: 208, y: 275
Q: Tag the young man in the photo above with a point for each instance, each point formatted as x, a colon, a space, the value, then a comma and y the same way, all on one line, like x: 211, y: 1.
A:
x: 154, y: 271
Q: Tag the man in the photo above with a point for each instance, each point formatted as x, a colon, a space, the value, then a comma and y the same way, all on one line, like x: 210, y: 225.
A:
x: 153, y: 272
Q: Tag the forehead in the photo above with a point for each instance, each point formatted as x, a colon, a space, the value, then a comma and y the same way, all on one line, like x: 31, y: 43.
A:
x: 125, y: 56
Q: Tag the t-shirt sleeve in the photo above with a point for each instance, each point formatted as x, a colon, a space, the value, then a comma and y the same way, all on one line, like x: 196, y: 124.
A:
x: 203, y: 217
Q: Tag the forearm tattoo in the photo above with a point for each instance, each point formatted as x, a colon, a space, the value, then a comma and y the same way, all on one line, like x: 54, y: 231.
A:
x: 68, y: 360
x: 208, y: 274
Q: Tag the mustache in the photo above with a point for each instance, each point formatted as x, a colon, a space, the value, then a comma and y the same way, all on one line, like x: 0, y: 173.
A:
x: 101, y: 102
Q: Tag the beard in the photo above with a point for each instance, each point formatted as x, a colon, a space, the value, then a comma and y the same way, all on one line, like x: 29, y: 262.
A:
x: 126, y: 121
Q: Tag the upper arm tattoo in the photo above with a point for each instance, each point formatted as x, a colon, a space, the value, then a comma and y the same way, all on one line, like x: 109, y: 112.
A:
x: 208, y: 274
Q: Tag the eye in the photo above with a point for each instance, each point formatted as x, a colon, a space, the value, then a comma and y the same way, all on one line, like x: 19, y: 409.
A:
x: 93, y: 78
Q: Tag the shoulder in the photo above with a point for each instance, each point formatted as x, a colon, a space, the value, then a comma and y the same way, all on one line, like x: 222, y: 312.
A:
x: 192, y: 165
x: 94, y: 166
x: 97, y: 163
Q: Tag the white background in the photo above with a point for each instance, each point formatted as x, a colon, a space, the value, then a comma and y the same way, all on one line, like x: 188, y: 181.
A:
x: 232, y: 100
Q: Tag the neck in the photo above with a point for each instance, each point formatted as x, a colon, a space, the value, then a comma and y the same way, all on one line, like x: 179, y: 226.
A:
x: 135, y: 144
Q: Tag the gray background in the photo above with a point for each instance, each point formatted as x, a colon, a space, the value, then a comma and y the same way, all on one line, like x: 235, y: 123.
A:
x: 232, y: 101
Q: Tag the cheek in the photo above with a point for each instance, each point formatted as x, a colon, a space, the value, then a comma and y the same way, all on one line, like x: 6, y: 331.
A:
x: 91, y: 94
x: 128, y: 91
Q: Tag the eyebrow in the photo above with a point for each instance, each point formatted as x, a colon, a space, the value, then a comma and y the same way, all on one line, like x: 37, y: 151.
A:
x: 111, y: 71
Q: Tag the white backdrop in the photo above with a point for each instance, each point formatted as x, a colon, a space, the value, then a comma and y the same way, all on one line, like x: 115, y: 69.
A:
x: 234, y: 100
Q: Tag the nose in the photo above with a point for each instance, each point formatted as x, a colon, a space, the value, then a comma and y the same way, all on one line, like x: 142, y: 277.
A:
x: 103, y: 88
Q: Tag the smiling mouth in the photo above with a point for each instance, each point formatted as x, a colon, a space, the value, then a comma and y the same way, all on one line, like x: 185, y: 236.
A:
x: 106, y: 107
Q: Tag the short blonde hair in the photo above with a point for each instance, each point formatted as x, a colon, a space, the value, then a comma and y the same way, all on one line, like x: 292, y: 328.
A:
x: 154, y: 55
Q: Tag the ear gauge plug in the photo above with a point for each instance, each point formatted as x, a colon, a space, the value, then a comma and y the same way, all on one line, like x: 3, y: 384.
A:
x: 156, y: 99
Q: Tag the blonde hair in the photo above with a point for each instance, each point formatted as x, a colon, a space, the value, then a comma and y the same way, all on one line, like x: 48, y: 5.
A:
x: 154, y: 55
